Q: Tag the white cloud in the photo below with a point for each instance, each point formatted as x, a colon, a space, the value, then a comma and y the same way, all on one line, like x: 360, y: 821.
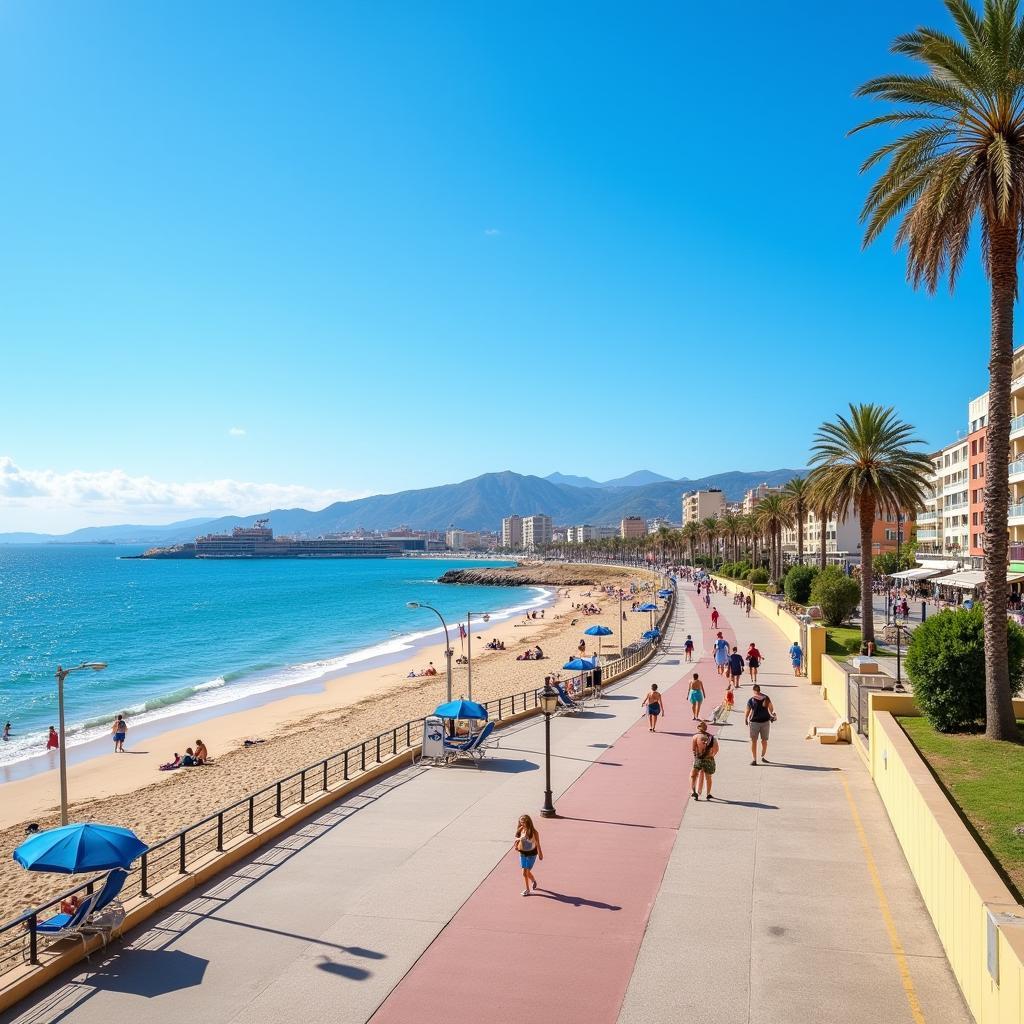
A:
x: 492, y: 231
x: 237, y: 431
x: 42, y: 500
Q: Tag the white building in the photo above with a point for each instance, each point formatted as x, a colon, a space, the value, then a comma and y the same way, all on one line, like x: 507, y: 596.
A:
x: 654, y: 525
x: 755, y: 494
x: 700, y: 505
x: 536, y: 531
x: 463, y: 540
x: 512, y: 532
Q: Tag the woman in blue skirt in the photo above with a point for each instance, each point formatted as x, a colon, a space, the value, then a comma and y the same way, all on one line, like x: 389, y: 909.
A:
x: 528, y: 847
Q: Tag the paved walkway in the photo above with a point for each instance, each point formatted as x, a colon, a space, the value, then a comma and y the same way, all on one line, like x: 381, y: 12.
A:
x: 788, y: 901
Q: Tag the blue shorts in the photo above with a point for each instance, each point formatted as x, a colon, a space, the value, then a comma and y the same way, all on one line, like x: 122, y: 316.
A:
x: 696, y: 697
x: 119, y: 737
x: 654, y: 709
x: 526, y: 860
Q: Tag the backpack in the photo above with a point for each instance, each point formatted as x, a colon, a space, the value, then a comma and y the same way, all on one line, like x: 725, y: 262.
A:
x: 759, y: 709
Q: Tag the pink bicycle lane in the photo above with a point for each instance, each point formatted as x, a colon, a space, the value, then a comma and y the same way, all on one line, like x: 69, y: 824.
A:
x: 567, y: 952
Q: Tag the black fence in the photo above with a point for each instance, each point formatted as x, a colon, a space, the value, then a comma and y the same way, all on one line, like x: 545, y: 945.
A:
x: 173, y: 857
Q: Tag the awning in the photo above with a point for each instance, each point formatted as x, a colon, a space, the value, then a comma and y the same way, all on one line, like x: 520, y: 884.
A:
x: 938, y: 563
x: 921, y: 573
x: 966, y: 580
x: 1013, y: 577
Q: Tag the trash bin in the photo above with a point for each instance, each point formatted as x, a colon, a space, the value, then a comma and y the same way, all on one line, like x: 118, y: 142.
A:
x: 595, y: 678
x: 433, y: 737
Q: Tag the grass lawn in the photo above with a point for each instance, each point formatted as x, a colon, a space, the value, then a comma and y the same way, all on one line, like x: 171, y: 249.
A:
x: 837, y: 638
x: 985, y: 779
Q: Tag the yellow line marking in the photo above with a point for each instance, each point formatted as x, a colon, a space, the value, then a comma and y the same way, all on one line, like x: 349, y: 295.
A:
x: 883, y: 905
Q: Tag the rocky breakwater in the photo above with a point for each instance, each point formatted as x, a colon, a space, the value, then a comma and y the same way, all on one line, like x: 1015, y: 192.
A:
x: 539, y: 574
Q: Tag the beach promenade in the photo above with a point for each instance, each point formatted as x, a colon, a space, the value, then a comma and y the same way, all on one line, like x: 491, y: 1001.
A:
x: 788, y: 901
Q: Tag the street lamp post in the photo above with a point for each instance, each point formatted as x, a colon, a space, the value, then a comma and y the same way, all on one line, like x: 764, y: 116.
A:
x: 447, y: 645
x: 469, y: 649
x: 548, y: 704
x: 62, y: 674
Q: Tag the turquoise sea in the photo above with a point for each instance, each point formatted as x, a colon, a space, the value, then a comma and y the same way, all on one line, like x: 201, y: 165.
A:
x: 187, y: 635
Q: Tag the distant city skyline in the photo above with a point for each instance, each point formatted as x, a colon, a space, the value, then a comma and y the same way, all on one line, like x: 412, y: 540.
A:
x: 260, y: 255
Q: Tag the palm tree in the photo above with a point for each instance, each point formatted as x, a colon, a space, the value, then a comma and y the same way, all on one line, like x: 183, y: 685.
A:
x: 692, y: 533
x: 794, y: 494
x: 772, y: 517
x: 866, y: 463
x: 963, y: 162
x: 730, y: 524
x: 710, y: 530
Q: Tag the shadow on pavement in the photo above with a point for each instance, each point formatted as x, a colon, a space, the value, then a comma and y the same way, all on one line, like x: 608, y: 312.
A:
x: 803, y: 767
x: 576, y: 901
x: 150, y: 972
x: 603, y: 821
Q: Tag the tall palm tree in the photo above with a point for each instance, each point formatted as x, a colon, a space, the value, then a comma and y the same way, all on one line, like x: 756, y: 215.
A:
x: 692, y: 533
x: 866, y: 462
x: 772, y: 517
x: 794, y: 494
x: 730, y: 525
x: 961, y: 162
x: 710, y: 529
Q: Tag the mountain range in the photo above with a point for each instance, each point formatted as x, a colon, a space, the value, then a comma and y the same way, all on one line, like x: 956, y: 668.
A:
x: 476, y: 504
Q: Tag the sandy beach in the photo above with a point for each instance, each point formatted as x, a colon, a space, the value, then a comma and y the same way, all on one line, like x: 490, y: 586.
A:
x: 298, y: 729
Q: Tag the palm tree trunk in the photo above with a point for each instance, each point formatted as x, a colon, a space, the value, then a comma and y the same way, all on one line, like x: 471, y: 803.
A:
x: 800, y: 536
x: 1000, y: 723
x: 822, y: 553
x: 867, y: 608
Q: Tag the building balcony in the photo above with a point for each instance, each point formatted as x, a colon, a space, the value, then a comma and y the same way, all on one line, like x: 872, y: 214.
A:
x: 1016, y: 552
x: 925, y: 535
x: 954, y: 488
x: 1017, y: 427
x: 1016, y: 514
x: 1016, y: 469
x: 927, y: 517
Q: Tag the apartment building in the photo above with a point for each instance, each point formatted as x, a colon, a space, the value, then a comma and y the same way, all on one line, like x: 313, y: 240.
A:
x: 536, y: 531
x: 654, y: 525
x: 699, y: 505
x: 755, y: 494
x: 977, y: 419
x: 633, y: 526
x: 512, y: 532
x: 463, y: 540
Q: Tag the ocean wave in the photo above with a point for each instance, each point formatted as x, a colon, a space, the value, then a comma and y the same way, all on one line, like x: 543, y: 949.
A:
x: 253, y: 681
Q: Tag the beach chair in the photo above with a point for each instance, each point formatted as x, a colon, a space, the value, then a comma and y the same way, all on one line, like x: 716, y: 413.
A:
x: 479, y: 749
x: 108, y: 911
x: 566, y: 705
x: 68, y: 926
x: 838, y: 732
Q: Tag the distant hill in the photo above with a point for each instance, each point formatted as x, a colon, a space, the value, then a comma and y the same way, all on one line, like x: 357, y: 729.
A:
x: 637, y: 479
x: 477, y: 504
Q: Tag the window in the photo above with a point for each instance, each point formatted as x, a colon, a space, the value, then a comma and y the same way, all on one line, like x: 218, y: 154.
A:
x: 974, y: 447
x: 981, y: 446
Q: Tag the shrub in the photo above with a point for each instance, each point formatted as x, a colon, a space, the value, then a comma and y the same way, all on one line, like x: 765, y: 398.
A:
x: 946, y: 664
x: 798, y: 582
x: 757, y: 575
x: 836, y: 593
x: 727, y: 570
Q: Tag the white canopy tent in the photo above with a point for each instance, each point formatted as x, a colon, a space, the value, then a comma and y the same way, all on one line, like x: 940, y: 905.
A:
x: 921, y: 573
x: 966, y: 580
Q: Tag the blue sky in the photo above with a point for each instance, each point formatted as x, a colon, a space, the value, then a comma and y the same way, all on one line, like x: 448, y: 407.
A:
x: 342, y: 248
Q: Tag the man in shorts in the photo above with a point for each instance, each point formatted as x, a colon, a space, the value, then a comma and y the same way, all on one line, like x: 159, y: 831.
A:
x: 759, y: 717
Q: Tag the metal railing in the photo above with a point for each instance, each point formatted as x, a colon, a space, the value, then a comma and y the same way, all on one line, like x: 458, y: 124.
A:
x: 174, y: 856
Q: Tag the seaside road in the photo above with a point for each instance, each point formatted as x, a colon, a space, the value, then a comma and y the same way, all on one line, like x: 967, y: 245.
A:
x: 769, y: 912
x: 324, y: 923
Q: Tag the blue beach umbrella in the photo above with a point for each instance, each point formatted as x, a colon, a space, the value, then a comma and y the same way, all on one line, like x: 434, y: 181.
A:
x: 647, y: 607
x: 598, y: 631
x: 651, y: 634
x: 665, y: 593
x: 580, y: 665
x: 461, y: 709
x: 73, y: 848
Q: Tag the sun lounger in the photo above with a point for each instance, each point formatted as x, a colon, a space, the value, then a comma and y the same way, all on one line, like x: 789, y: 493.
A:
x: 474, y: 748
x: 108, y: 911
x: 68, y: 926
x: 566, y: 705
x: 838, y: 732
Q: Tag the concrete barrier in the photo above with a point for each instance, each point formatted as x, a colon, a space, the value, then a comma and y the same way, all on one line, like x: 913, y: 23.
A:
x: 979, y: 922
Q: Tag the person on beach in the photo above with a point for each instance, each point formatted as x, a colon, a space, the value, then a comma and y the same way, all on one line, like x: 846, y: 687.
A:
x: 654, y: 705
x: 53, y: 740
x: 714, y: 618
x: 119, y: 730
x: 582, y: 647
x: 688, y: 647
x: 754, y: 659
x: 7, y: 732
x: 202, y: 755
x: 796, y: 656
x: 696, y: 696
x: 528, y: 847
x: 735, y: 666
x: 721, y: 653
x: 705, y: 747
x: 759, y: 717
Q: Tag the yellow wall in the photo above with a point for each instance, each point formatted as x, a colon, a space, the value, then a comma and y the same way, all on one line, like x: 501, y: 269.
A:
x: 833, y: 684
x: 957, y: 882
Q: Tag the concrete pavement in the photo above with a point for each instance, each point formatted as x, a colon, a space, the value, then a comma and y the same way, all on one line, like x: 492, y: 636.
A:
x: 789, y: 902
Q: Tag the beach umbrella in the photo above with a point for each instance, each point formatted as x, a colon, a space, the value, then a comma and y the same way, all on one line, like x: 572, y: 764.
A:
x: 461, y: 709
x: 651, y: 634
x: 665, y: 593
x: 580, y: 665
x: 648, y: 607
x: 598, y: 631
x: 73, y: 848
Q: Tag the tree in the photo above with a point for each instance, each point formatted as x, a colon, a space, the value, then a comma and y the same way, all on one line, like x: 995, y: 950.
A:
x: 835, y: 593
x: 867, y: 463
x: 692, y: 534
x: 961, y: 163
x: 772, y: 516
x: 731, y: 525
x: 710, y: 528
x: 798, y: 582
x: 946, y: 664
x: 794, y: 494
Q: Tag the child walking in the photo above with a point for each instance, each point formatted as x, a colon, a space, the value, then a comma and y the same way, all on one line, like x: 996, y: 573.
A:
x: 528, y: 847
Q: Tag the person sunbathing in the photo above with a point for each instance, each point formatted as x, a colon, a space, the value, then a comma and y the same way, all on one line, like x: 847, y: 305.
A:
x: 538, y: 653
x: 202, y: 754
x: 170, y: 765
x: 189, y: 760
x: 70, y: 905
x: 525, y: 656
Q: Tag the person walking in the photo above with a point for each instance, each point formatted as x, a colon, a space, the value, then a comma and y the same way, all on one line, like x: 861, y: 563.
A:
x: 796, y: 656
x: 754, y: 659
x: 747, y: 604
x: 759, y: 717
x: 735, y: 667
x: 119, y: 730
x: 705, y: 747
x: 52, y: 740
x: 688, y: 647
x: 714, y: 618
x: 721, y: 653
x: 7, y: 732
x: 653, y: 703
x: 696, y: 696
x: 528, y: 847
